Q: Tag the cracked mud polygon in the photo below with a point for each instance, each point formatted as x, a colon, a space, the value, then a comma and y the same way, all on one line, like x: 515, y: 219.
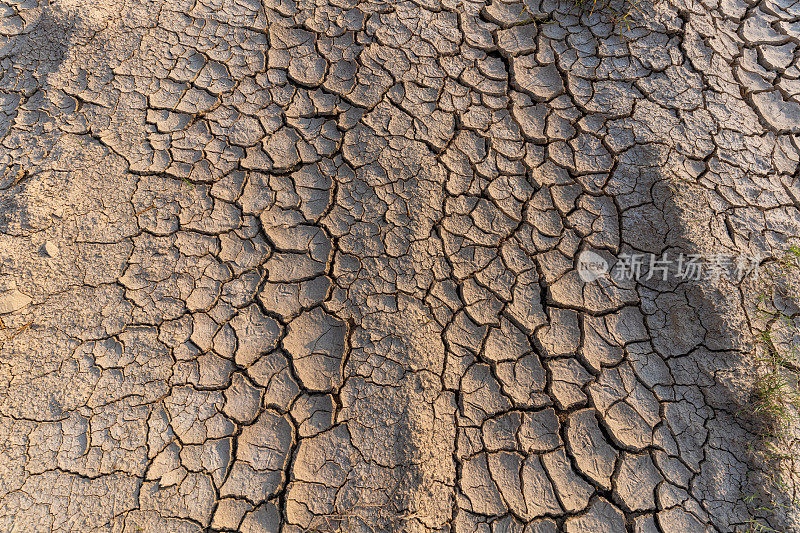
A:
x: 313, y: 266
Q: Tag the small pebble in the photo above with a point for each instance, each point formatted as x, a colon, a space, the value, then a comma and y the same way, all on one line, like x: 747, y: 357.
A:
x: 49, y: 249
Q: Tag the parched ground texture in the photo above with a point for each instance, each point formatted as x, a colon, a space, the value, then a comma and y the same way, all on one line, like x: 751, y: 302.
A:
x: 310, y: 265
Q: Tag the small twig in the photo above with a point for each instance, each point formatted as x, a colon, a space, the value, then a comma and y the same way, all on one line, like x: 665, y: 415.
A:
x: 152, y: 206
x: 20, y: 330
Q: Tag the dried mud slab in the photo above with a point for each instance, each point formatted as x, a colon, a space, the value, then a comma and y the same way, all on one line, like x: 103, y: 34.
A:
x: 311, y: 266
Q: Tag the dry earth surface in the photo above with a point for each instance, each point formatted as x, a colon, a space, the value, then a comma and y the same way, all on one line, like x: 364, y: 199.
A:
x: 309, y: 265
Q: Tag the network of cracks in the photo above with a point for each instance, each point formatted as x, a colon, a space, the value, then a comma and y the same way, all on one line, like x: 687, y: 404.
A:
x: 310, y: 266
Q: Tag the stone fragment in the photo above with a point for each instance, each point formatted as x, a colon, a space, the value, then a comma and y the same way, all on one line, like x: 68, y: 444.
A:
x: 13, y: 300
x: 49, y: 249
